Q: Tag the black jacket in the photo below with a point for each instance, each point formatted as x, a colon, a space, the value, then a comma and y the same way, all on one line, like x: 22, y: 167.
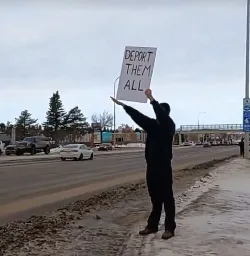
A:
x: 160, y: 133
x: 241, y: 144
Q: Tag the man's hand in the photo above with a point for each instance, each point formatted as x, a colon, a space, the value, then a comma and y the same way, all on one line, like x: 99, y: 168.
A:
x: 117, y: 101
x: 148, y: 93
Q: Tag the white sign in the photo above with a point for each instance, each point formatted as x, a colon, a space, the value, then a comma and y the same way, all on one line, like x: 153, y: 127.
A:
x: 97, y: 138
x: 137, y: 70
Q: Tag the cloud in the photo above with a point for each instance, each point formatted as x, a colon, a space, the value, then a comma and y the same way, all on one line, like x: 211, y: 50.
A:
x: 77, y: 48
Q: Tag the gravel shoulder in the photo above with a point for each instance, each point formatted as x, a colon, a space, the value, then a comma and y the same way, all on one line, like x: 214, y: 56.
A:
x: 100, y: 225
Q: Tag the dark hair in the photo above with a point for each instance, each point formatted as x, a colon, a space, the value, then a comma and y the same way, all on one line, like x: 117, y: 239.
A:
x: 166, y: 107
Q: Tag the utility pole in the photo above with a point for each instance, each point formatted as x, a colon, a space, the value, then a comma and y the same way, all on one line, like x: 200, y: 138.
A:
x: 246, y: 141
x: 199, y: 119
x: 199, y: 125
x: 114, y: 117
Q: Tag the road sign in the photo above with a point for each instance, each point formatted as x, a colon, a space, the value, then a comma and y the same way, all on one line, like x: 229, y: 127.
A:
x: 247, y: 120
x: 246, y: 104
x: 246, y: 115
x: 246, y: 123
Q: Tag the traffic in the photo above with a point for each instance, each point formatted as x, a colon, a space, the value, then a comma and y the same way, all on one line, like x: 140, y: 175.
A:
x: 28, y: 185
x: 211, y: 143
x: 76, y: 152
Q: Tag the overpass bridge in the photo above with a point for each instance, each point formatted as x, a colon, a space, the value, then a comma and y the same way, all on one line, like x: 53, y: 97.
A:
x: 211, y: 128
x: 224, y: 132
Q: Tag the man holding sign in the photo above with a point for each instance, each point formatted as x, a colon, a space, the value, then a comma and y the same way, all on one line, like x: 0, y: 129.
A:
x: 158, y: 154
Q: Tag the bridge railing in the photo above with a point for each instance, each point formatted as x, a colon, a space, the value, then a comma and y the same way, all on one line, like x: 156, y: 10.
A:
x: 222, y: 127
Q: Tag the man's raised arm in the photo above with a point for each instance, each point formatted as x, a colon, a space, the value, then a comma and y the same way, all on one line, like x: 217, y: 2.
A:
x: 161, y: 113
x: 143, y: 121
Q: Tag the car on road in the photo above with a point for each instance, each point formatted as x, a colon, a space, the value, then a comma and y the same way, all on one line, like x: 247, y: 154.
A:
x: 198, y: 143
x: 105, y: 147
x: 31, y: 145
x: 76, y: 152
x: 186, y: 143
x: 215, y: 143
x: 11, y: 148
x: 207, y: 145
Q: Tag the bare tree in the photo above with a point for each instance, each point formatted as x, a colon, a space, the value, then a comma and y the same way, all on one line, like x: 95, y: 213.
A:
x: 105, y: 119
x: 125, y: 128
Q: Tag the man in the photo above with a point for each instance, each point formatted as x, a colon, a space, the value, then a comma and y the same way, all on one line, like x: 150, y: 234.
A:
x: 158, y: 154
x: 241, y: 144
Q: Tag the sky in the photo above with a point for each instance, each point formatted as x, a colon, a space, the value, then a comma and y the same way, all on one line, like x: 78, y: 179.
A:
x: 77, y: 47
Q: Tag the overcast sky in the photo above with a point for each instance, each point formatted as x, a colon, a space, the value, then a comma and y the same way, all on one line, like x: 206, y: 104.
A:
x: 77, y: 47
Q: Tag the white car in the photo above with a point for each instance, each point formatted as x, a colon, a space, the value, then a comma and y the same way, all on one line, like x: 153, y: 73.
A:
x: 76, y: 152
x: 186, y: 143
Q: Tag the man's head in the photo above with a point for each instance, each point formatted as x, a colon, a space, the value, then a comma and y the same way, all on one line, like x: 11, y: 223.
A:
x: 242, y: 139
x: 166, y: 107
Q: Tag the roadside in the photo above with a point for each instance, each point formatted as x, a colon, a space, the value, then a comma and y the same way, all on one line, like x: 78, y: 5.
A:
x: 38, y: 187
x: 55, y: 156
x: 213, y: 218
x: 56, y: 151
x: 98, y: 226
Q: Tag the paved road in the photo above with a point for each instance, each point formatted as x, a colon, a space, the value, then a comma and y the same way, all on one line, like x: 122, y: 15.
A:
x: 42, y: 156
x: 27, y: 186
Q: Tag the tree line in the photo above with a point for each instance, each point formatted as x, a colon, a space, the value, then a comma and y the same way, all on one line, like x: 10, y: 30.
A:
x: 58, y: 122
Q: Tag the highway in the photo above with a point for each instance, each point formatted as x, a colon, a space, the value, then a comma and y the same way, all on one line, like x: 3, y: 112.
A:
x: 37, y: 186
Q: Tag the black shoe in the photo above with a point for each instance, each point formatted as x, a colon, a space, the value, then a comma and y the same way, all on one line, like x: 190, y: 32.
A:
x: 147, y: 231
x: 167, y: 234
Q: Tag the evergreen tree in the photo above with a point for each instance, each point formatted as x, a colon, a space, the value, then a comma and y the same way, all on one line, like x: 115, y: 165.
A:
x: 2, y: 127
x: 24, y: 122
x: 55, y: 115
x: 75, y: 122
x: 137, y: 130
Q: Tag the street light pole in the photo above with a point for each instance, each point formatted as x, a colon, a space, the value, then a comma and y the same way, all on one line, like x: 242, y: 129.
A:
x: 114, y: 117
x: 199, y: 119
x: 199, y: 126
x: 246, y: 144
x: 114, y: 103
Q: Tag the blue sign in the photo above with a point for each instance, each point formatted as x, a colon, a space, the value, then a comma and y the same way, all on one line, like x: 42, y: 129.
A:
x: 246, y: 121
x: 246, y: 104
x: 246, y: 108
x: 246, y: 115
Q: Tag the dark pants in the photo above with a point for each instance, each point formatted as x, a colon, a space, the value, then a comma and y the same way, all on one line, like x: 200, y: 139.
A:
x: 242, y: 152
x: 160, y: 182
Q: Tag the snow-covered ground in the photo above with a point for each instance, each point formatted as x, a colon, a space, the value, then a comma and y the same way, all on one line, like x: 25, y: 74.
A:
x: 213, y: 218
x: 55, y: 150
x: 134, y: 145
